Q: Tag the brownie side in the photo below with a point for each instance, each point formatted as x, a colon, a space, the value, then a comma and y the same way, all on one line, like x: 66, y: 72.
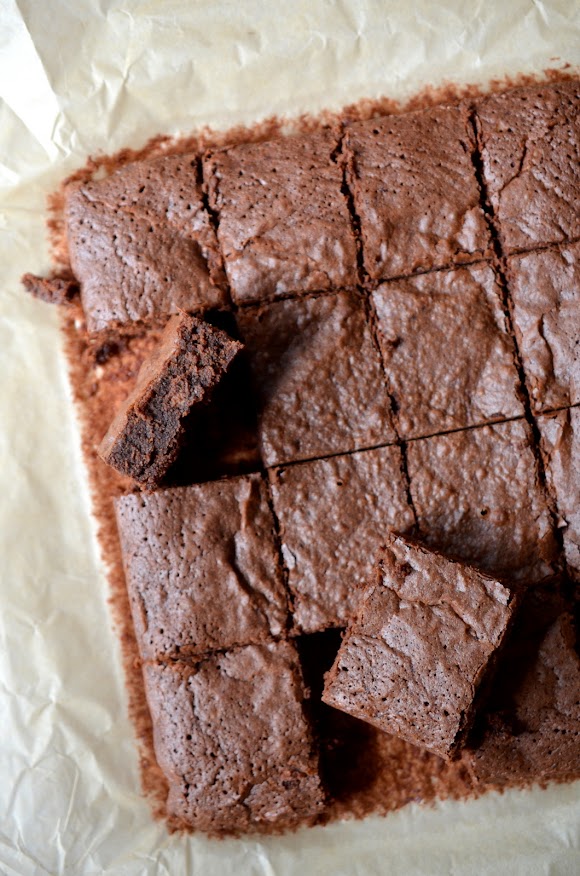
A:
x: 233, y: 740
x: 424, y: 638
x: 415, y: 191
x: 141, y: 244
x: 319, y: 377
x: 284, y: 223
x: 529, y: 731
x: 545, y: 291
x: 449, y: 360
x: 145, y: 436
x: 531, y: 163
x: 560, y: 444
x: 478, y: 497
x: 201, y: 566
x: 333, y: 514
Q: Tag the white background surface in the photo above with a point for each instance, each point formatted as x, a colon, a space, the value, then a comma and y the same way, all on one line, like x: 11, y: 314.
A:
x: 78, y: 77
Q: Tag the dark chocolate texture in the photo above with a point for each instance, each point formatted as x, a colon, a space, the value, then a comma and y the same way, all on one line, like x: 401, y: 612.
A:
x: 145, y: 436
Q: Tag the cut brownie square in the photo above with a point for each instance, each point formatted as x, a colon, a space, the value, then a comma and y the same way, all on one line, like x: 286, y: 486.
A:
x: 233, y: 740
x: 529, y: 731
x: 415, y: 191
x: 202, y: 567
x: 146, y: 434
x: 284, y: 223
x: 560, y: 443
x: 530, y: 139
x: 333, y: 514
x: 478, y: 497
x: 449, y: 360
x: 141, y: 243
x: 420, y: 648
x: 545, y: 290
x: 319, y: 377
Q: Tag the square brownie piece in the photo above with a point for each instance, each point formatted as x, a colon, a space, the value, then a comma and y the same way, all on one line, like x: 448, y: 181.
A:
x: 202, y: 567
x: 545, y: 293
x: 232, y: 738
x: 419, y: 651
x: 284, y: 223
x: 319, y: 378
x: 560, y: 443
x: 530, y: 146
x: 141, y: 243
x: 333, y: 514
x: 478, y: 497
x: 146, y: 434
x: 449, y: 360
x: 528, y: 731
x: 415, y: 191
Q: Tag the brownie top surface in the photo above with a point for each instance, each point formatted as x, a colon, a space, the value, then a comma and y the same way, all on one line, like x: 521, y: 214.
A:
x: 202, y: 567
x: 545, y: 289
x: 318, y: 376
x: 284, y: 223
x: 415, y: 191
x: 448, y: 357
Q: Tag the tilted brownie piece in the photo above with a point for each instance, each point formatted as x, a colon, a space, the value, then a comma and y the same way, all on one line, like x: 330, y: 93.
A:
x: 449, y: 360
x: 333, y: 514
x: 560, y: 443
x: 530, y: 729
x: 145, y: 436
x: 232, y: 738
x: 319, y: 377
x: 141, y: 243
x: 284, y: 224
x: 202, y: 567
x: 545, y: 291
x: 478, y: 497
x: 415, y: 191
x: 420, y: 648
x: 530, y: 144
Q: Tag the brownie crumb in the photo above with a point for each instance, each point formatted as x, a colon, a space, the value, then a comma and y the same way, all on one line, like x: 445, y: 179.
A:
x: 53, y: 290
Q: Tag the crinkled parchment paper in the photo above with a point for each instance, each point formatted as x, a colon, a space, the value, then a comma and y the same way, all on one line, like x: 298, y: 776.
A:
x: 80, y: 76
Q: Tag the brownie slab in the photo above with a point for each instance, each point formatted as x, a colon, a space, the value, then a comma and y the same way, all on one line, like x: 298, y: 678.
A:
x: 545, y: 291
x: 141, y: 243
x: 333, y: 514
x: 202, y: 568
x: 530, y: 145
x: 448, y: 357
x: 145, y: 436
x: 560, y: 443
x: 529, y: 731
x: 415, y: 191
x: 420, y: 647
x: 284, y: 224
x: 232, y: 738
x: 478, y: 497
x: 318, y: 375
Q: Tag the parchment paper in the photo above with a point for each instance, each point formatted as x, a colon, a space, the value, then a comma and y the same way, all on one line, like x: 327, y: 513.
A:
x: 77, y: 77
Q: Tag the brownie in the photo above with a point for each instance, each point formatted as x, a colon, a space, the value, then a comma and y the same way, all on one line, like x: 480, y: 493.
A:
x: 333, y: 514
x: 53, y: 290
x: 449, y: 360
x: 415, y: 191
x: 141, y: 243
x: 418, y: 652
x: 284, y: 223
x: 545, y: 291
x: 144, y: 438
x: 478, y: 497
x: 232, y: 738
x: 560, y: 443
x: 319, y: 377
x: 529, y: 731
x: 202, y: 569
x: 530, y: 145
